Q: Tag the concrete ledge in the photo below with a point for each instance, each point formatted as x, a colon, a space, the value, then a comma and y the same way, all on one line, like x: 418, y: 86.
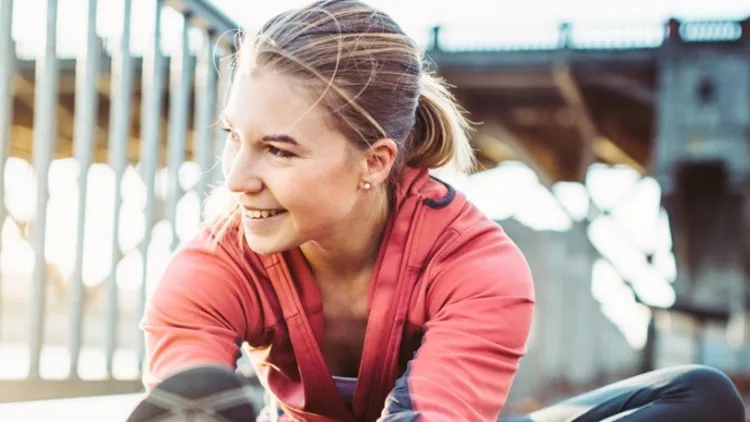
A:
x: 85, y: 409
x: 27, y: 390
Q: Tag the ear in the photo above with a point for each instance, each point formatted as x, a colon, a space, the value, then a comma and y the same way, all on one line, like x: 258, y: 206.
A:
x: 378, y: 161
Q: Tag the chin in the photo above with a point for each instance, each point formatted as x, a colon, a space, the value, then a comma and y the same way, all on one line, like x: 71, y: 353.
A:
x: 266, y: 246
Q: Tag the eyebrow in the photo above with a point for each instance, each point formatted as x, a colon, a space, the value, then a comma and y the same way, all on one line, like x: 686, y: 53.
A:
x: 280, y: 137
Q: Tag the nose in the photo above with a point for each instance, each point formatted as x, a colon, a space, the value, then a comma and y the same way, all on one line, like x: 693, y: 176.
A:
x: 241, y: 172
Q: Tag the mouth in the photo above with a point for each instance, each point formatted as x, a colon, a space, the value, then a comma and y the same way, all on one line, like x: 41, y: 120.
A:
x: 262, y: 214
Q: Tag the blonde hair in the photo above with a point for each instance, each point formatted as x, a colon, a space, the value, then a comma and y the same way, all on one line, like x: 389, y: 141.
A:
x: 369, y: 75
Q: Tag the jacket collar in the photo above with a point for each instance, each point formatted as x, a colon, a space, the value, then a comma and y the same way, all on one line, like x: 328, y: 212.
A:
x: 404, y: 246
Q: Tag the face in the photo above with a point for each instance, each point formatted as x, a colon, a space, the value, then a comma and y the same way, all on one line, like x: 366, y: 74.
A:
x: 294, y: 177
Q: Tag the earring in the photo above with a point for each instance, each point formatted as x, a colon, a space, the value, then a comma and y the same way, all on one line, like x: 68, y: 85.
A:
x: 366, y: 186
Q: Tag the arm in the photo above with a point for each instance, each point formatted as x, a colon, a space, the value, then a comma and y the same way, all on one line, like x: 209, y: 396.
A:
x: 199, y: 313
x: 480, y: 306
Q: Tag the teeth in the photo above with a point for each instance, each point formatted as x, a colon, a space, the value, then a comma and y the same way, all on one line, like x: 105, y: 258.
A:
x: 262, y: 213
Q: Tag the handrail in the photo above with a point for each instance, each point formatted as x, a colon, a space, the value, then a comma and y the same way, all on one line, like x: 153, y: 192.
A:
x: 203, y: 14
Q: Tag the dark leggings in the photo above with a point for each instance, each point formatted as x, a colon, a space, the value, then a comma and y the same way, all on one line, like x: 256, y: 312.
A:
x: 683, y: 393
x: 691, y: 393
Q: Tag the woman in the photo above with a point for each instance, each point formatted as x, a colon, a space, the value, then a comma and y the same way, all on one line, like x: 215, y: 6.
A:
x: 365, y: 289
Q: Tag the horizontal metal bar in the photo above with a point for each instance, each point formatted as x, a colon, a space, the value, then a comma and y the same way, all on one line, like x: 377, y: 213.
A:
x: 203, y: 14
x: 68, y: 66
x: 498, y: 61
x: 609, y: 35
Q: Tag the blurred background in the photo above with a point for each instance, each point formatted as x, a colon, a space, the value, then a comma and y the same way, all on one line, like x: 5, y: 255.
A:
x: 613, y: 142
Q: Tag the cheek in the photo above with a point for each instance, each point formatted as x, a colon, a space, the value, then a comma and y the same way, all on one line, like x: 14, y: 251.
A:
x: 339, y: 192
x: 327, y: 196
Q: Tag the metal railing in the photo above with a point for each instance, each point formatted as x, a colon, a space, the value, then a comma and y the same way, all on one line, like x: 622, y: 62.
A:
x: 600, y: 36
x: 156, y: 94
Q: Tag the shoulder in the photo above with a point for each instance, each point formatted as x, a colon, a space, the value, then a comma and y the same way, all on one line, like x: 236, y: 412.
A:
x: 208, y: 276
x: 476, y: 256
x: 211, y: 251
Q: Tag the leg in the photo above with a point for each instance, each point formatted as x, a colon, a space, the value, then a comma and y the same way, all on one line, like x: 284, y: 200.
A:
x: 207, y: 393
x: 691, y: 393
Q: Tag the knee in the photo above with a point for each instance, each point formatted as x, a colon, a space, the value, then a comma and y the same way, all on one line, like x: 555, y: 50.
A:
x: 702, y: 377
x: 715, y: 389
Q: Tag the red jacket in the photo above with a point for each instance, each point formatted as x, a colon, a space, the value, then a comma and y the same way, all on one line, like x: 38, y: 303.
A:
x: 450, y: 305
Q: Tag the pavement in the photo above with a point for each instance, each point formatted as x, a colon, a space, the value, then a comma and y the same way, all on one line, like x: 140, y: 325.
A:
x: 113, y: 408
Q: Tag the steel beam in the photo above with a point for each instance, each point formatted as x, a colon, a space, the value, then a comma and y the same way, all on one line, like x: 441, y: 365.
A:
x: 589, y: 134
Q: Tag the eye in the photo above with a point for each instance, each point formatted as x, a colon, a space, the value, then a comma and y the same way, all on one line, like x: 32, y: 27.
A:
x: 279, y: 152
x: 231, y: 135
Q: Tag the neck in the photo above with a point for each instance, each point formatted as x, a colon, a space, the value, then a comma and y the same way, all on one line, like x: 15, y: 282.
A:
x: 352, y: 248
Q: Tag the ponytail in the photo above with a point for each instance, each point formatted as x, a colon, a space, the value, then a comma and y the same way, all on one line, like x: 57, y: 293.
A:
x: 439, y: 137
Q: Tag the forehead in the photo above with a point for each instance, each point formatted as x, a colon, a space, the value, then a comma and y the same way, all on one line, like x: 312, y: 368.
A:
x: 269, y: 102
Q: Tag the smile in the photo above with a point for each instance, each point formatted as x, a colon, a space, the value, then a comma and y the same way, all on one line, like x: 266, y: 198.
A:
x: 261, y: 214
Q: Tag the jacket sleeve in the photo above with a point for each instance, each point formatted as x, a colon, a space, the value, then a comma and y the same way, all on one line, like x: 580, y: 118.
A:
x: 199, y: 313
x: 479, y: 312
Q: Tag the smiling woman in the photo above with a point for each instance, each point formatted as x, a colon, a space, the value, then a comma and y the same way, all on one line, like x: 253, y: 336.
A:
x: 331, y: 118
x: 365, y: 288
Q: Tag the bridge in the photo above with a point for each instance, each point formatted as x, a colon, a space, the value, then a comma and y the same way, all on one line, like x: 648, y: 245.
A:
x: 670, y: 102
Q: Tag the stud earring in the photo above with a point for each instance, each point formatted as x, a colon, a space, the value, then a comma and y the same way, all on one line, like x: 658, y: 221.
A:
x: 366, y: 186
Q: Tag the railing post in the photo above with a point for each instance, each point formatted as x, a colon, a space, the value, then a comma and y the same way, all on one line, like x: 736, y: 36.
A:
x: 152, y: 86
x: 86, y: 122
x: 7, y: 69
x: 745, y: 26
x: 435, y: 45
x: 565, y: 31
x: 672, y: 31
x: 45, y: 139
x: 119, y: 135
x: 206, y: 78
x: 222, y: 94
x: 179, y: 95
